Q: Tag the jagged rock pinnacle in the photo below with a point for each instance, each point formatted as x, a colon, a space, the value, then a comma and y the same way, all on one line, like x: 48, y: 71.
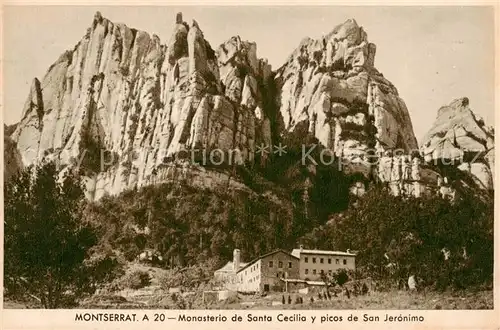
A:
x: 98, y: 17
x: 465, y: 101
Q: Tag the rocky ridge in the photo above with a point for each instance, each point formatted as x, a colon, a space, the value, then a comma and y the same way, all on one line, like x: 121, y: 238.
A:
x: 129, y: 111
x: 121, y: 91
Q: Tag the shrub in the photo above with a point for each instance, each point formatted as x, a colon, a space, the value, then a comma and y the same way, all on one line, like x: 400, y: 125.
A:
x: 341, y: 277
x: 189, y: 277
x: 136, y: 280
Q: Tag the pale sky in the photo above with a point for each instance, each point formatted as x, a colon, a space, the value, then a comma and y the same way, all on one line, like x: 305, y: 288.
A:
x: 431, y: 54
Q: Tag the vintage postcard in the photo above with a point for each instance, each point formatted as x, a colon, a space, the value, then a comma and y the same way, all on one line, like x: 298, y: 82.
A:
x: 249, y: 165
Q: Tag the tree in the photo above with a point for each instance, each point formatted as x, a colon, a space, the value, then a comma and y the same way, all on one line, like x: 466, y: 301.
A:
x: 341, y: 276
x: 47, y: 242
x: 397, y: 237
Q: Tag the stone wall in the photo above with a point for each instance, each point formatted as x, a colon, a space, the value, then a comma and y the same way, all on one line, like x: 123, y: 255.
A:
x: 271, y: 275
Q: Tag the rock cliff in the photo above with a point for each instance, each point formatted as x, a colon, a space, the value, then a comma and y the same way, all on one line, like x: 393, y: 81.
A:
x: 123, y: 106
x: 129, y: 111
x: 330, y: 89
x: 459, y: 137
x: 11, y: 156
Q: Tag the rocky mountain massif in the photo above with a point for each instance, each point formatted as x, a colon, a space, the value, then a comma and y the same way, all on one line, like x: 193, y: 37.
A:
x: 144, y: 106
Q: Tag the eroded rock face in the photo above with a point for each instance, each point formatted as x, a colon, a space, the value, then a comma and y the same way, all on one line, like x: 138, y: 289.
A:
x: 122, y: 96
x: 331, y: 86
x: 243, y: 77
x: 11, y: 156
x: 460, y: 138
x: 129, y: 111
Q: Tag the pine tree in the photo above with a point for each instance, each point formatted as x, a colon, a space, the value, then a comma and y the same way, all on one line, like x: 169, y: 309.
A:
x: 47, y: 243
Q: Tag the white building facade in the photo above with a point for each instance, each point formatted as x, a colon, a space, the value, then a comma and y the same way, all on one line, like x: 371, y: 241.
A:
x: 314, y: 263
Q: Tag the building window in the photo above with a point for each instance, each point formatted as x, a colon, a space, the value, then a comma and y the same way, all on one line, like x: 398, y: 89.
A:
x: 307, y: 271
x: 330, y: 272
x: 345, y: 262
x: 322, y: 272
x: 314, y: 260
x: 271, y: 264
x: 329, y: 260
x: 289, y: 265
x: 321, y: 260
x: 337, y: 261
x: 278, y: 274
x: 306, y: 259
x: 314, y: 271
x: 280, y: 264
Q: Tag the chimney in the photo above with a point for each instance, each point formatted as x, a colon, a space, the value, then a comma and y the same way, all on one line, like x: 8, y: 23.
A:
x: 348, y: 251
x: 301, y: 247
x: 236, y: 259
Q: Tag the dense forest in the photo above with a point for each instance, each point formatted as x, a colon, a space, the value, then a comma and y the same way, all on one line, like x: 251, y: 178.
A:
x: 443, y: 243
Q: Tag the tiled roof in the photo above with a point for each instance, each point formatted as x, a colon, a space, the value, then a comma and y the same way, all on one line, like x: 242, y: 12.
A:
x: 298, y: 252
x: 265, y: 255
x: 229, y: 267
